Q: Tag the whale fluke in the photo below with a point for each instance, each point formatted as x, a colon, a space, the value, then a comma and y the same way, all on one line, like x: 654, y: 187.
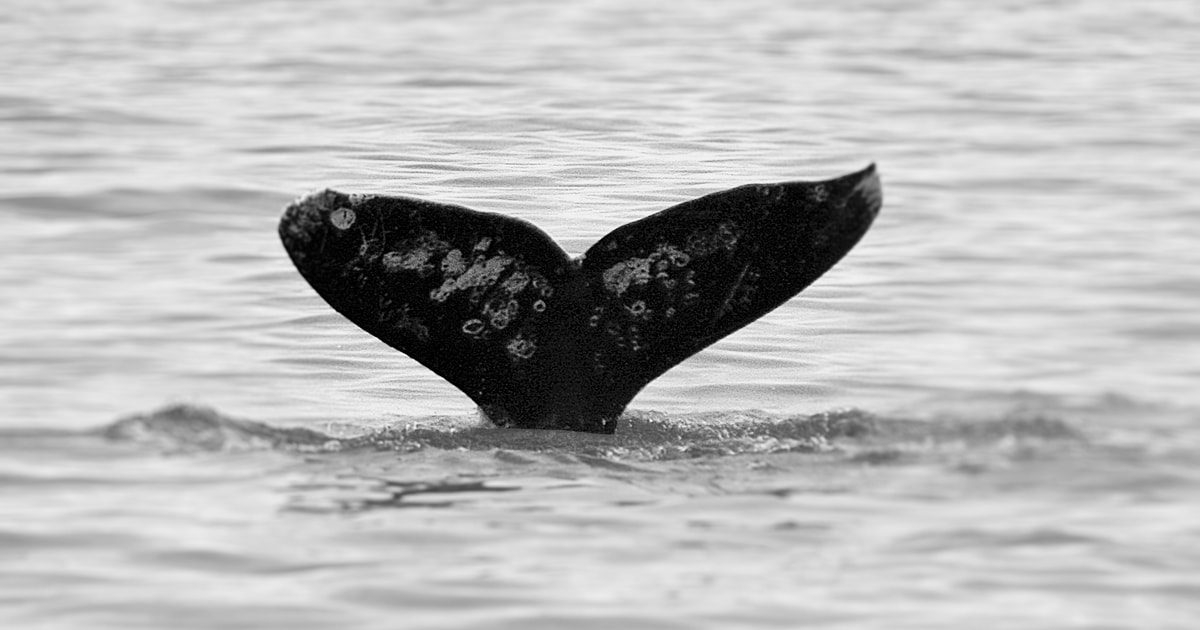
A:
x: 539, y: 340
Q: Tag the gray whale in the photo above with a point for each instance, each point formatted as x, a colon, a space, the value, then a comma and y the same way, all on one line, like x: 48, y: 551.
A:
x: 539, y: 340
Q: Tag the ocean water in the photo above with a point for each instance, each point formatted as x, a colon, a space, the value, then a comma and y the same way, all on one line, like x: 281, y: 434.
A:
x: 987, y: 415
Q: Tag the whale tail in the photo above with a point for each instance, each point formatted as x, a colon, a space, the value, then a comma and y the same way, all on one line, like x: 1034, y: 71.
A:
x: 538, y: 340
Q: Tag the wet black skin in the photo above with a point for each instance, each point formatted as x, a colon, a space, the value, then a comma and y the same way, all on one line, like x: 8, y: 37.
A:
x: 539, y: 340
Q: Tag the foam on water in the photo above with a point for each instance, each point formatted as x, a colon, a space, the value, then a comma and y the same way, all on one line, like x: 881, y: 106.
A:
x: 645, y: 436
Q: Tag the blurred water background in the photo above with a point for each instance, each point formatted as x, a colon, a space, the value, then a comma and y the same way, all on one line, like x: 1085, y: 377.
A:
x: 987, y: 415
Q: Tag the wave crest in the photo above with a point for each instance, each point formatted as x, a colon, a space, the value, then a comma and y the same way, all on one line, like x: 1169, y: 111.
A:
x: 643, y: 436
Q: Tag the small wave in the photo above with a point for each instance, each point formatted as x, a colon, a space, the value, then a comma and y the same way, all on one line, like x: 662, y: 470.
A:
x: 195, y: 428
x: 643, y: 436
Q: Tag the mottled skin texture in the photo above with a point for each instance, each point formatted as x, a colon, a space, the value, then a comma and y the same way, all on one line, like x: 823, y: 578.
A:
x: 539, y: 340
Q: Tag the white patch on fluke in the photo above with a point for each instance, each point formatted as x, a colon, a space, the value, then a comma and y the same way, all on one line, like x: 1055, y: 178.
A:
x: 342, y: 218
x: 501, y: 314
x: 870, y: 189
x: 620, y: 276
x: 483, y: 273
x: 818, y: 193
x: 453, y: 264
x: 414, y: 254
x: 411, y: 260
x: 516, y: 282
x: 636, y: 271
x: 521, y: 348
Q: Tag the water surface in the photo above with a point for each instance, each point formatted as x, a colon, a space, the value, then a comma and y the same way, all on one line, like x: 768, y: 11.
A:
x: 985, y: 415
